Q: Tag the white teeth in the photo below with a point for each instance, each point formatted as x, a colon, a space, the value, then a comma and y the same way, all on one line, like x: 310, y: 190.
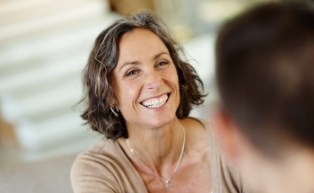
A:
x: 155, y: 102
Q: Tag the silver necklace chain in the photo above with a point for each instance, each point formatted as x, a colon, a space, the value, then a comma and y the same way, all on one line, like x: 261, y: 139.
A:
x: 167, y: 182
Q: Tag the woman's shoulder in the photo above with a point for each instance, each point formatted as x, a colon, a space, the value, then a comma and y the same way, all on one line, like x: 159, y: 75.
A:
x: 99, y: 152
x: 105, y: 153
x: 99, y: 164
x: 104, y: 168
x: 199, y: 133
x: 201, y: 124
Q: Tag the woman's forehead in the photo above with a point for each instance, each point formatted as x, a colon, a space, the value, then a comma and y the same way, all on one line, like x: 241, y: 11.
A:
x: 140, y: 44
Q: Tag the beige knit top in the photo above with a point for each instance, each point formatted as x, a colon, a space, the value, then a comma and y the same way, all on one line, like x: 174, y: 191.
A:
x: 105, y: 168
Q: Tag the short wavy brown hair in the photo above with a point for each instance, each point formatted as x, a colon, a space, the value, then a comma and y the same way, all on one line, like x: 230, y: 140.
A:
x: 265, y: 74
x: 103, y: 59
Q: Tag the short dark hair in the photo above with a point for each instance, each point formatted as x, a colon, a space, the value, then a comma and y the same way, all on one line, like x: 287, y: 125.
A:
x: 103, y: 59
x: 265, y: 74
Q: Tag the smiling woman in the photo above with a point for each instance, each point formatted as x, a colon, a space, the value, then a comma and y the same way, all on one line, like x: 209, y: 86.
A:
x: 139, y: 94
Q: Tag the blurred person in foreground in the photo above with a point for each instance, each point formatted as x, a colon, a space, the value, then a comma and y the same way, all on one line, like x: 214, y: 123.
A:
x: 139, y: 96
x: 265, y: 76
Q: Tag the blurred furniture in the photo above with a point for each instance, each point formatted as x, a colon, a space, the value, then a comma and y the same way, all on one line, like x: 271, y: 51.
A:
x: 44, y: 46
x: 126, y: 7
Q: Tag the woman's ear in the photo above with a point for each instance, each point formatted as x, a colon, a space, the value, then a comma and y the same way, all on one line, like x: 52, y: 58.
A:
x: 227, y: 133
x: 113, y: 101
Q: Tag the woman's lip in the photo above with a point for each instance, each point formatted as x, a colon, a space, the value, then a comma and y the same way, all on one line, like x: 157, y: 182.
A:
x: 156, y: 101
x: 155, y: 97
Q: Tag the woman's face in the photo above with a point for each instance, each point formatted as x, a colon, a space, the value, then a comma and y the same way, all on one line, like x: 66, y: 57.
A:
x: 145, y: 80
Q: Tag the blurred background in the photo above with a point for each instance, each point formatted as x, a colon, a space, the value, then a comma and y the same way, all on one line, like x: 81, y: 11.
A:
x: 44, y: 45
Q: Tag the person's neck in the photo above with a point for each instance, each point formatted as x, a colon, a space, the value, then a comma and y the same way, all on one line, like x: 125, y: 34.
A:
x: 301, y: 171
x: 156, y: 148
x: 157, y: 145
x: 295, y: 172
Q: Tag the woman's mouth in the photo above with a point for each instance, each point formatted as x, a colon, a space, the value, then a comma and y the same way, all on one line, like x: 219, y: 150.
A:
x: 155, y: 102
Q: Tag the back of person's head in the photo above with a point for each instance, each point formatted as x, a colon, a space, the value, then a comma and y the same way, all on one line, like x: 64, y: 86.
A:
x: 265, y: 75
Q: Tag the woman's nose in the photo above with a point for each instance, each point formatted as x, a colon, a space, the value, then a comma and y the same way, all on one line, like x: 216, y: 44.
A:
x: 153, y: 80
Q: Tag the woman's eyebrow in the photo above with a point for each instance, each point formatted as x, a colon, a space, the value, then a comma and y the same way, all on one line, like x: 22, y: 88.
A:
x: 127, y: 64
x: 160, y: 54
x: 136, y: 62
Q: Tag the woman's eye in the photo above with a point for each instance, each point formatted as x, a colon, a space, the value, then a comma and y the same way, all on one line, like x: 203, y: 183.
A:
x: 162, y: 63
x: 131, y: 73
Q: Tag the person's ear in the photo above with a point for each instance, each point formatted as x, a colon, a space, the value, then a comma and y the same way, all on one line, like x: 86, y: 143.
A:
x: 113, y: 101
x: 227, y: 134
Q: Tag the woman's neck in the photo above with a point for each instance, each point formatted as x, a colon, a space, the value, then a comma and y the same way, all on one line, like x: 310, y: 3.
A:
x: 156, y: 149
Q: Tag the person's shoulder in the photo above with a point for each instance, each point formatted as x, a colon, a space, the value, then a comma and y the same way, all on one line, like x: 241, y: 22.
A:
x: 198, y: 128
x: 101, y: 147
x: 200, y: 123
x: 98, y: 153
x: 99, y: 156
x: 96, y: 166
